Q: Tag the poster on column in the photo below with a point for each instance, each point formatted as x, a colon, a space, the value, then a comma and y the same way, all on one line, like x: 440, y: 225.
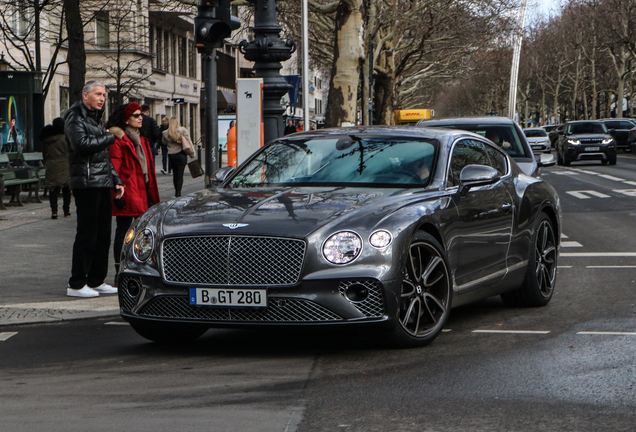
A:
x: 12, y: 122
x: 249, y: 117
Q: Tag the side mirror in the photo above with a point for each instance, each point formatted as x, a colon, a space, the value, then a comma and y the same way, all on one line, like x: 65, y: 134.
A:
x: 224, y: 173
x: 545, y: 160
x: 476, y: 175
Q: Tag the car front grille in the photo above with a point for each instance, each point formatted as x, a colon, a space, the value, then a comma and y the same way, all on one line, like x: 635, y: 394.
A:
x: 373, y: 305
x: 278, y: 311
x: 591, y: 140
x: 233, y: 260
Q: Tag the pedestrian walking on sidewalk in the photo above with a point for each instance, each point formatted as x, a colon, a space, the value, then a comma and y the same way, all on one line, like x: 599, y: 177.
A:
x: 131, y: 156
x: 92, y: 179
x: 164, y: 148
x: 173, y: 137
x: 55, y: 157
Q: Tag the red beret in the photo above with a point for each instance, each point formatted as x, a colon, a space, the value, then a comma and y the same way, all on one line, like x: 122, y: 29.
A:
x: 130, y: 109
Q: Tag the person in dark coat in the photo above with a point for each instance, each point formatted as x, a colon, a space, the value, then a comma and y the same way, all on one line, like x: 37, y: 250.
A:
x: 55, y: 159
x: 150, y: 129
x: 164, y: 148
x: 290, y: 128
x: 132, y: 159
x: 92, y: 179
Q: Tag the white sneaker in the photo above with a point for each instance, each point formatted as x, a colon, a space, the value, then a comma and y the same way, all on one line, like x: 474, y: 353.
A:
x: 105, y: 289
x: 84, y: 292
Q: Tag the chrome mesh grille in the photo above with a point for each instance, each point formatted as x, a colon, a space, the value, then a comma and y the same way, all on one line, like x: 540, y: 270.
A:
x: 279, y: 310
x: 233, y: 260
x: 126, y: 301
x: 373, y: 305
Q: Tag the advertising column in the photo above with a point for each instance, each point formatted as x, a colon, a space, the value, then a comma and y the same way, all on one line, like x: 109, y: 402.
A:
x: 249, y: 117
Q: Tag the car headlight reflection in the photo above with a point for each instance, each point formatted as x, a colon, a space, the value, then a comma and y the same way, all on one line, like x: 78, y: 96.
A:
x: 129, y: 236
x: 380, y: 239
x: 607, y: 140
x: 144, y: 245
x: 574, y: 141
x: 342, y: 247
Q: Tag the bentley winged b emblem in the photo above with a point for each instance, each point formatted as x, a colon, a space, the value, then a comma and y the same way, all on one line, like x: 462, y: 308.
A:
x: 235, y: 225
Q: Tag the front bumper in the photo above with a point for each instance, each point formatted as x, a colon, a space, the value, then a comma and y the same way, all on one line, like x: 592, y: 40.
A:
x: 582, y: 152
x: 316, y: 302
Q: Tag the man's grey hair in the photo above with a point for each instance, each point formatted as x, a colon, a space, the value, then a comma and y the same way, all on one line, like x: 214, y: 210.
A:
x: 90, y: 85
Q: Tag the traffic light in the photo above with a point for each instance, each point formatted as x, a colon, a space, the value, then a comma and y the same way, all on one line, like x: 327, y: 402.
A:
x: 214, y: 23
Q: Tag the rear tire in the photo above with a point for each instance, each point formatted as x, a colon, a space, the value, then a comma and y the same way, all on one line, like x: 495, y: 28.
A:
x: 426, y: 294
x: 540, y: 279
x: 168, y: 333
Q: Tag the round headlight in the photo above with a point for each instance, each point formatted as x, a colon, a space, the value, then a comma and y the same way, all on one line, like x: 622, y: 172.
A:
x: 380, y: 239
x: 143, y: 245
x: 342, y: 247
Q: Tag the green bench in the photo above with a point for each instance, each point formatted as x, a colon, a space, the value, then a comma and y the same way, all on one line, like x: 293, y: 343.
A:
x: 16, y: 179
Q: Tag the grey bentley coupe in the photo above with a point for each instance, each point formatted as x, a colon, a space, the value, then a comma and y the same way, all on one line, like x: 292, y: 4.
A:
x: 384, y: 228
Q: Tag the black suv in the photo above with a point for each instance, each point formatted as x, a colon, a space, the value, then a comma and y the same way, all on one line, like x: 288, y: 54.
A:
x: 503, y: 132
x: 619, y: 130
x: 585, y: 140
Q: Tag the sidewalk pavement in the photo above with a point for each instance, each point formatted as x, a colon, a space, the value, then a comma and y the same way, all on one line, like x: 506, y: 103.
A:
x: 35, y: 261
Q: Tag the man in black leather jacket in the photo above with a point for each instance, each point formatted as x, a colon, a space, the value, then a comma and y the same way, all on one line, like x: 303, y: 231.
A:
x: 92, y: 180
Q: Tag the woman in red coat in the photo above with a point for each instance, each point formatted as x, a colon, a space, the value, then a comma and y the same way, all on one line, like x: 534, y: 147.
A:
x: 132, y: 159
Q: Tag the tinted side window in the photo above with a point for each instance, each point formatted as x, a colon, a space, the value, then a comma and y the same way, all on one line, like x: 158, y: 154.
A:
x: 497, y: 159
x: 465, y: 152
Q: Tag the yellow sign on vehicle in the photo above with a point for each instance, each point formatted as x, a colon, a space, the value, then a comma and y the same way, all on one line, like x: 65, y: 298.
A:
x: 401, y: 117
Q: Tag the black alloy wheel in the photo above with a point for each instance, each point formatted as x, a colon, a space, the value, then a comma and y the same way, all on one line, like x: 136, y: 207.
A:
x: 540, y: 280
x: 426, y: 294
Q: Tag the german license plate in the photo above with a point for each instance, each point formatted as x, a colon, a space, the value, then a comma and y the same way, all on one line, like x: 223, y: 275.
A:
x: 592, y: 148
x: 228, y: 297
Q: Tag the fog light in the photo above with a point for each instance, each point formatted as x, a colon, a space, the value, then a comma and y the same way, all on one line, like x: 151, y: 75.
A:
x: 356, y: 293
x: 133, y: 287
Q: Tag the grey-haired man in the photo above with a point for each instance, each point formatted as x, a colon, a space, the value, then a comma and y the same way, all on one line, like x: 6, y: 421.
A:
x: 92, y: 180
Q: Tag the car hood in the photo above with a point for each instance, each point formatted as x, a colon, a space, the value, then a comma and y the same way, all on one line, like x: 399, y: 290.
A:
x: 537, y: 139
x: 588, y: 136
x: 289, y: 212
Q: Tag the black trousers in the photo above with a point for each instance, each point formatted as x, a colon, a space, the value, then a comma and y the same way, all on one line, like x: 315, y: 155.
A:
x: 66, y: 197
x: 123, y: 223
x: 178, y: 162
x: 92, y: 240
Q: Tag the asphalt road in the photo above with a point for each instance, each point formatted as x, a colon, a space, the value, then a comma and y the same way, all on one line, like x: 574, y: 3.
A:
x: 569, y: 366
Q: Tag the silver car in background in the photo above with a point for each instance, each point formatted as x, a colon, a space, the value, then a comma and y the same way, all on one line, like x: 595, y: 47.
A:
x: 538, y: 139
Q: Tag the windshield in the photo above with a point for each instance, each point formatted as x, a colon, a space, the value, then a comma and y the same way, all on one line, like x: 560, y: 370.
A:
x: 505, y: 136
x: 340, y: 160
x: 589, y: 127
x: 535, y: 133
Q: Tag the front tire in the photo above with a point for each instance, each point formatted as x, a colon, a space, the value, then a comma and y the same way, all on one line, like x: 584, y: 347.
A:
x: 168, y: 333
x: 426, y: 294
x: 540, y: 279
x: 612, y: 161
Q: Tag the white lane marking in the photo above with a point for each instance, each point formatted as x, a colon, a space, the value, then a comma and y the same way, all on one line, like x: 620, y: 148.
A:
x: 571, y: 244
x: 6, y: 335
x: 609, y: 177
x: 582, y: 194
x: 564, y: 267
x: 597, y: 254
x: 611, y: 267
x: 446, y: 330
x: 513, y: 331
x: 117, y: 323
x: 564, y: 236
x: 631, y: 183
x: 628, y: 192
x: 565, y: 173
x: 607, y: 333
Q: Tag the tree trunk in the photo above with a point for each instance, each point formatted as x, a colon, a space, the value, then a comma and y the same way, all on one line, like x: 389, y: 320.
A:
x: 345, y: 72
x: 76, y: 57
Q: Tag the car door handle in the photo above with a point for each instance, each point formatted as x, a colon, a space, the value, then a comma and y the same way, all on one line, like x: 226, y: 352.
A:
x: 506, y: 207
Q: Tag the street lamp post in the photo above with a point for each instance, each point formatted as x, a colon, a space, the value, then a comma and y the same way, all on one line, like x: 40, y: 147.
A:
x: 267, y: 51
